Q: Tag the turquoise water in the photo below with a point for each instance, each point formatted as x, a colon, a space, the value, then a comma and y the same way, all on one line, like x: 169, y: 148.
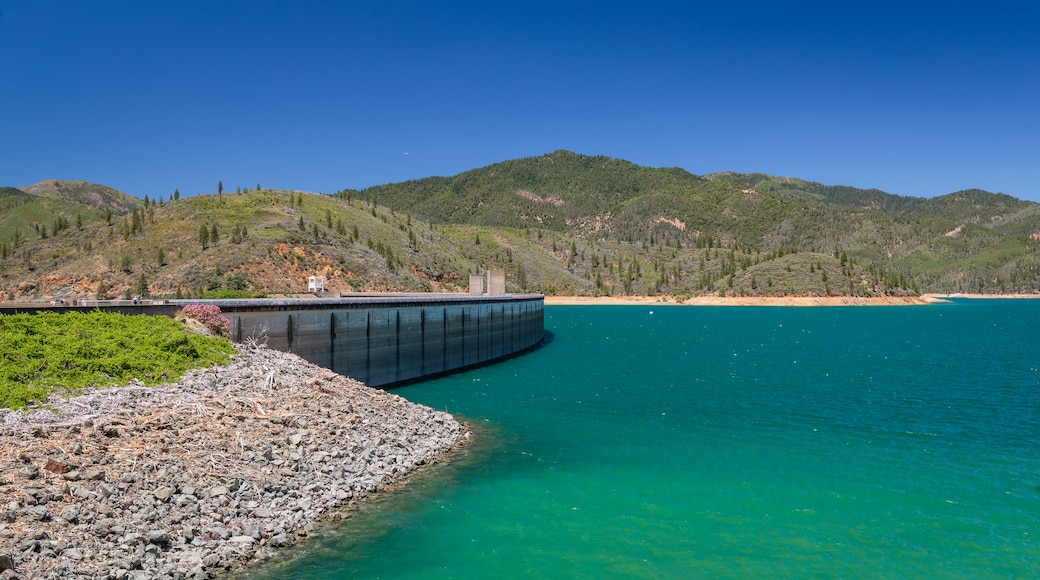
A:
x: 676, y: 442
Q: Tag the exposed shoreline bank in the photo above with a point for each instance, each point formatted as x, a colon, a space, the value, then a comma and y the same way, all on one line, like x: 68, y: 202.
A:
x: 772, y: 300
x: 201, y: 477
x: 744, y: 300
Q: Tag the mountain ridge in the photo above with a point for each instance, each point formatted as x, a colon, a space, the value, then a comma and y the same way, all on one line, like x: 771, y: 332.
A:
x: 559, y: 223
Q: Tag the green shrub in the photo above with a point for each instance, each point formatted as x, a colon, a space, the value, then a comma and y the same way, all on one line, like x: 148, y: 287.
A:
x: 67, y: 352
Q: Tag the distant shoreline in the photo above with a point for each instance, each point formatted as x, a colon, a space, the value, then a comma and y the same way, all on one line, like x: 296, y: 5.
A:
x: 772, y: 300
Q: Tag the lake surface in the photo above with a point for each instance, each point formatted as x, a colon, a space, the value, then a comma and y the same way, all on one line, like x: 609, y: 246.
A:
x: 659, y: 441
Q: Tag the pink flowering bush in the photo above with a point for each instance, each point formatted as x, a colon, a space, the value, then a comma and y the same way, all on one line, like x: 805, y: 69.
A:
x: 209, y: 316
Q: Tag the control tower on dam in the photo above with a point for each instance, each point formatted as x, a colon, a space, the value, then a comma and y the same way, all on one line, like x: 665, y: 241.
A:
x: 385, y: 339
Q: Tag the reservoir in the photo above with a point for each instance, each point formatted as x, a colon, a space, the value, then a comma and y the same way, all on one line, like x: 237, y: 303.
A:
x: 654, y: 441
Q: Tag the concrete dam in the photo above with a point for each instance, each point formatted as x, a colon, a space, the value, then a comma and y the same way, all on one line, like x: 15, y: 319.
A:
x: 388, y: 339
x: 385, y: 339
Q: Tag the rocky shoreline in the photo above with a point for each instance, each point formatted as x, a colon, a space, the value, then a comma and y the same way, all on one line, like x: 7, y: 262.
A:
x: 199, y: 478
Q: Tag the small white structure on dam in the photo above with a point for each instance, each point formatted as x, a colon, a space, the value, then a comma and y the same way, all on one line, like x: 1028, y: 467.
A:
x: 316, y: 284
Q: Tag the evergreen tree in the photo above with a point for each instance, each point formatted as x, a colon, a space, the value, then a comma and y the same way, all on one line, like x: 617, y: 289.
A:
x: 220, y: 188
x: 142, y: 286
x: 204, y: 236
x: 176, y: 194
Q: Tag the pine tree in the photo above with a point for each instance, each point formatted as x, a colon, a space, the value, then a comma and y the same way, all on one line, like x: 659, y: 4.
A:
x: 142, y: 286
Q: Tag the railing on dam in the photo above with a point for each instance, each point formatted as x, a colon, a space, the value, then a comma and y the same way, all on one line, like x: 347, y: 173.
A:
x: 379, y: 339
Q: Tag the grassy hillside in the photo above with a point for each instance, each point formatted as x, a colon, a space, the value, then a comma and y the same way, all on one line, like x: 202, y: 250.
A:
x: 83, y: 193
x: 253, y: 243
x: 50, y: 207
x: 561, y: 223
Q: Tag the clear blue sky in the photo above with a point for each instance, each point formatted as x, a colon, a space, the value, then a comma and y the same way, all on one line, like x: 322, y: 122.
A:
x: 916, y: 98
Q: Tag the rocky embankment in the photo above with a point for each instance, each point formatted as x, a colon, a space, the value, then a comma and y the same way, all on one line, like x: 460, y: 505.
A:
x: 191, y: 480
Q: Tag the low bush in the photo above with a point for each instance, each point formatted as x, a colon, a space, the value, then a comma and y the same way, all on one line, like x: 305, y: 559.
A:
x: 67, y: 352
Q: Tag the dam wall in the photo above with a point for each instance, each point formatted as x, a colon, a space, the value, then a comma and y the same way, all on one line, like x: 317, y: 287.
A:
x: 382, y: 341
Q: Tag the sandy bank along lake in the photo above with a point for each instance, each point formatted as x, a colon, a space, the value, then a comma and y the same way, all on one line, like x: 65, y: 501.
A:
x: 747, y: 300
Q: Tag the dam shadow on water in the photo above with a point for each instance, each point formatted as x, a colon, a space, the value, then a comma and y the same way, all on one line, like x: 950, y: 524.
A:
x: 673, y: 442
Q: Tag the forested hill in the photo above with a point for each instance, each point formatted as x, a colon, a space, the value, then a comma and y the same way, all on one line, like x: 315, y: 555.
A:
x: 547, y: 191
x: 561, y: 223
x: 968, y: 240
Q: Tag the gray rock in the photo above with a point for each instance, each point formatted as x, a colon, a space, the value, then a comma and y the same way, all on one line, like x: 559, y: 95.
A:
x: 221, y: 532
x: 217, y: 491
x: 163, y: 493
x: 38, y: 513
x: 29, y: 472
x: 107, y: 489
x: 70, y: 514
x: 181, y: 500
x: 73, y: 554
x: 94, y: 475
x: 79, y: 492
